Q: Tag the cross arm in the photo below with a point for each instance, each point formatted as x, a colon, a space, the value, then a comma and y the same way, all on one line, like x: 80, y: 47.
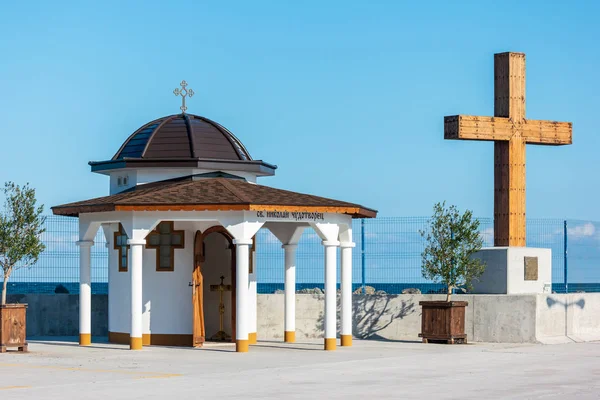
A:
x: 547, y: 132
x: 467, y: 127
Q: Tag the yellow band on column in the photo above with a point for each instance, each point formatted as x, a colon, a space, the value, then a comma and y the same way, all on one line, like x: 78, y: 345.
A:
x: 85, y: 339
x: 135, y: 343
x: 346, y: 340
x: 252, y: 338
x: 330, y: 344
x: 241, y: 346
x: 289, y: 336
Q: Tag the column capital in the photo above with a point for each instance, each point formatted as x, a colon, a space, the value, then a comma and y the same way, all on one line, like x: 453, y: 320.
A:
x: 330, y: 243
x: 84, y: 243
x: 345, y: 245
x: 247, y: 242
x: 289, y: 246
x: 136, y: 242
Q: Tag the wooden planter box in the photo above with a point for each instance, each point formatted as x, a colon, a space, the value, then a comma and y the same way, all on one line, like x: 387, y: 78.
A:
x: 443, y: 321
x: 12, y: 327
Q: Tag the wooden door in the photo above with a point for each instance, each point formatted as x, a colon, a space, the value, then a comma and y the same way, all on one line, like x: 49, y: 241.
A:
x: 199, y: 335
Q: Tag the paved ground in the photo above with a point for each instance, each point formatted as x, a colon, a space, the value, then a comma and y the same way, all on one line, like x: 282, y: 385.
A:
x: 370, y: 369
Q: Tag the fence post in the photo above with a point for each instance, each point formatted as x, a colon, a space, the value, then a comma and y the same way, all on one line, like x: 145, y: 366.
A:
x: 362, y: 254
x: 565, y: 258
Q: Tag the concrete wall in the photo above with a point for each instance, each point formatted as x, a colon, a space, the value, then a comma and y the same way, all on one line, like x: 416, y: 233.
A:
x: 392, y: 317
x: 58, y: 314
x: 555, y: 318
x: 568, y: 317
x: 490, y: 318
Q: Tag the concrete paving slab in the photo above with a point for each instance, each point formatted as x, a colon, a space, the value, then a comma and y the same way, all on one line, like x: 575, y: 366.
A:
x: 59, y: 369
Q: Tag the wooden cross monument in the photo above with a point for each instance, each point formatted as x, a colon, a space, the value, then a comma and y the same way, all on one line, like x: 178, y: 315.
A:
x: 510, y: 132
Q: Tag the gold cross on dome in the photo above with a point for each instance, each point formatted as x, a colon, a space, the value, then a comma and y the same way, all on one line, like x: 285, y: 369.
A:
x: 183, y: 92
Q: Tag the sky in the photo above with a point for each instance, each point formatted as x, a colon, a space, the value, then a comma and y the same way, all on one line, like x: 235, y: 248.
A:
x: 347, y: 98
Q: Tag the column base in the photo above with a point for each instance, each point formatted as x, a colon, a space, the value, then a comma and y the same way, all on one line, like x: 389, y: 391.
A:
x: 241, y: 346
x: 330, y: 344
x: 85, y: 339
x: 252, y: 338
x: 135, y: 343
x: 346, y: 340
x: 289, y: 336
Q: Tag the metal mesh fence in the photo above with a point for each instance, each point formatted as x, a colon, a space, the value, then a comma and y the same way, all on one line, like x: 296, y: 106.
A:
x: 582, y: 242
x: 387, y: 256
x: 59, y: 263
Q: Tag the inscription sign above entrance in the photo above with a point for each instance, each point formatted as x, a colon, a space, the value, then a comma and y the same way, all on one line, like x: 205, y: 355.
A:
x: 292, y: 215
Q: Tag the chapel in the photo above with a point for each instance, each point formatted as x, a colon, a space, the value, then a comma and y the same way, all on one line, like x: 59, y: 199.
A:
x: 180, y: 221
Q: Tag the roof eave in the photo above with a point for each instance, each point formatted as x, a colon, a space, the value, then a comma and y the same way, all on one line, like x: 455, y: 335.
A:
x: 258, y: 167
x: 366, y: 213
x: 74, y: 211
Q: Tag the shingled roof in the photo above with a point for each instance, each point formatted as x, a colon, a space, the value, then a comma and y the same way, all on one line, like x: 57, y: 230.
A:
x: 194, y: 193
x: 183, y: 136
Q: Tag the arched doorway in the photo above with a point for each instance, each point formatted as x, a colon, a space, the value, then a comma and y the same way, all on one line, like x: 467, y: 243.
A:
x: 214, y: 257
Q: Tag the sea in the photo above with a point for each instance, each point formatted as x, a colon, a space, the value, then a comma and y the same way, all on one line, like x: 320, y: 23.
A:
x: 266, y: 288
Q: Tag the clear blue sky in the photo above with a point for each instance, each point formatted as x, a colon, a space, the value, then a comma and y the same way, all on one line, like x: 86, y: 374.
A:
x: 347, y: 97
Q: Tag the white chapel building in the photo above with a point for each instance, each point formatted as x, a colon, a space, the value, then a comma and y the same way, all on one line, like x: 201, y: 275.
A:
x: 180, y: 219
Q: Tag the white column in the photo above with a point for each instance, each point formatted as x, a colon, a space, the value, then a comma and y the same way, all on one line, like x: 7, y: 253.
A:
x: 346, y: 261
x: 241, y: 296
x: 252, y: 293
x: 330, y: 293
x: 135, y: 268
x: 85, y: 292
x: 289, y: 330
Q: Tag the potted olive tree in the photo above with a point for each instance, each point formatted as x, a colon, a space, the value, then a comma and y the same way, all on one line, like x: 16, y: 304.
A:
x: 452, y: 238
x: 21, y: 225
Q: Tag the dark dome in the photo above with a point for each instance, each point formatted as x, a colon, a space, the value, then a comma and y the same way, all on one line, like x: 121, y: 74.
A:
x: 183, y: 136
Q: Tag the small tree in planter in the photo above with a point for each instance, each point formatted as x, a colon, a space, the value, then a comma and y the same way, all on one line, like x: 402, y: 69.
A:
x: 452, y: 240
x: 21, y: 225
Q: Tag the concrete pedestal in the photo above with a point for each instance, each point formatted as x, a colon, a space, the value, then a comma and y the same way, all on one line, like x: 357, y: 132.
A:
x: 515, y: 270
